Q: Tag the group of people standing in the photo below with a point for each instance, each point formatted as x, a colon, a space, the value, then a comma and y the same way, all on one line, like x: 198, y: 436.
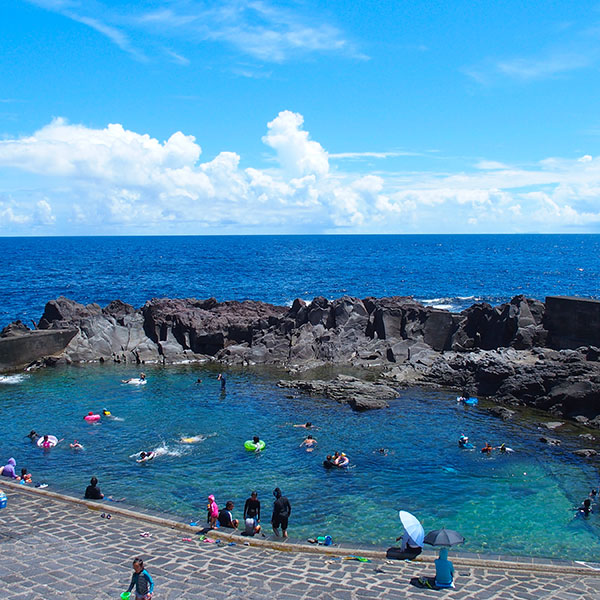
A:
x: 282, y: 510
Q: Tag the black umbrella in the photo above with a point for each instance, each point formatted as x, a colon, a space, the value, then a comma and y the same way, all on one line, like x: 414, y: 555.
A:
x: 443, y: 537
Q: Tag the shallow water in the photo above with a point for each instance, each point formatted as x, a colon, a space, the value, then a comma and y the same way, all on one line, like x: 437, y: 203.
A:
x: 516, y: 504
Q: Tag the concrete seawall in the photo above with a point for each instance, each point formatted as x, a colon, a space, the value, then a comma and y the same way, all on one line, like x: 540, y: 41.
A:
x: 572, y: 322
x: 21, y: 350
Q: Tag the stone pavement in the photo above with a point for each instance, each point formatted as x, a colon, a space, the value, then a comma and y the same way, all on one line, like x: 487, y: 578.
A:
x: 56, y: 549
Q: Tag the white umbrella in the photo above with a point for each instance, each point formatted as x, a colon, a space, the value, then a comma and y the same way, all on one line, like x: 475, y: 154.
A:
x: 413, y: 528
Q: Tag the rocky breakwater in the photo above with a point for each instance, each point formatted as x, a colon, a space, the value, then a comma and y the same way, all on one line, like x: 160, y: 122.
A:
x: 510, y: 353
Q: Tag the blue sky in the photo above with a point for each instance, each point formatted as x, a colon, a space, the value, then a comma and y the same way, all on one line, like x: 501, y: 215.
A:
x: 187, y: 117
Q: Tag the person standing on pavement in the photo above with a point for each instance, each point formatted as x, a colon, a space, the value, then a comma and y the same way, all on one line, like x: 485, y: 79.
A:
x: 282, y: 510
x: 141, y: 580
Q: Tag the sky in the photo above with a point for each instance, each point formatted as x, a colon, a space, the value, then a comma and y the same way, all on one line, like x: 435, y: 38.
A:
x: 292, y: 117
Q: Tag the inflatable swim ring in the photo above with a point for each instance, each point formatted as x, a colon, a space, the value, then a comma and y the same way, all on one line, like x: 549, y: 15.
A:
x: 252, y: 447
x: 51, y: 438
x: 92, y: 418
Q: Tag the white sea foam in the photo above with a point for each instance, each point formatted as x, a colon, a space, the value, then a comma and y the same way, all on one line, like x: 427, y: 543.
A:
x: 12, y: 379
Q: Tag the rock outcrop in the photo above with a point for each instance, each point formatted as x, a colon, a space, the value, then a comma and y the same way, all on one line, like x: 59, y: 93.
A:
x: 359, y: 394
x: 508, y: 353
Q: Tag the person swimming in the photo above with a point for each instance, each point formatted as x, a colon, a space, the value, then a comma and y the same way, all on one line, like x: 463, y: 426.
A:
x: 146, y: 456
x: 487, y: 449
x: 309, y: 442
x: 76, y: 445
x: 306, y: 425
x: 586, y: 508
x: 33, y: 435
x: 342, y: 461
x: 106, y: 413
x: 463, y: 440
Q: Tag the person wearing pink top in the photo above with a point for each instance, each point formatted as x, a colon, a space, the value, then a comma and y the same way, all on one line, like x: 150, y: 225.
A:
x: 213, y: 512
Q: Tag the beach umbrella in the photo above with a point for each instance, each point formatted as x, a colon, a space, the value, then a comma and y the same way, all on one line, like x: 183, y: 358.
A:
x: 413, y: 528
x: 444, y: 537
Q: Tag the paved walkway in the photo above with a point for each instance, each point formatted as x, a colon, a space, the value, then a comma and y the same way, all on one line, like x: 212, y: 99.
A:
x: 51, y: 549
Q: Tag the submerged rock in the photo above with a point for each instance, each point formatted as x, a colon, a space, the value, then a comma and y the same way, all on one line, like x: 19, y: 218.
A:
x: 359, y: 394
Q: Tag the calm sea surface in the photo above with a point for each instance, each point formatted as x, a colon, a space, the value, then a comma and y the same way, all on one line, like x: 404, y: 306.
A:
x: 519, y: 503
x: 447, y: 270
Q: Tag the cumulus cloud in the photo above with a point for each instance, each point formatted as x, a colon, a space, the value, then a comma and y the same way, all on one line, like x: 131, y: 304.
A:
x: 77, y: 179
x: 297, y: 154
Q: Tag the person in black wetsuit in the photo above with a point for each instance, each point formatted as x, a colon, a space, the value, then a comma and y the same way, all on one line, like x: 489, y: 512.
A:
x: 252, y: 508
x: 282, y: 510
x: 92, y: 491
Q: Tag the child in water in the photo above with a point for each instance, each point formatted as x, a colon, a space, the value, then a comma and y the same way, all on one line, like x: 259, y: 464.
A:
x: 141, y: 580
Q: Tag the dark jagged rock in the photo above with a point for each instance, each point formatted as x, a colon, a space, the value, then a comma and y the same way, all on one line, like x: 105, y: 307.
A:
x: 511, y: 353
x: 17, y: 328
x: 585, y: 452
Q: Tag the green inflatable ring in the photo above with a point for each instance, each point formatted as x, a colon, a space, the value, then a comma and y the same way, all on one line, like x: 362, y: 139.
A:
x: 252, y: 447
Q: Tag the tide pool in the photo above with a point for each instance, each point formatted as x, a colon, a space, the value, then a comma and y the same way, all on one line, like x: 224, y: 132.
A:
x: 518, y: 503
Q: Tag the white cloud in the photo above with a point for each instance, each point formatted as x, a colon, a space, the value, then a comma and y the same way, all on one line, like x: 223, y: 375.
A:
x: 259, y: 29
x: 296, y: 153
x: 43, y: 213
x: 113, y: 180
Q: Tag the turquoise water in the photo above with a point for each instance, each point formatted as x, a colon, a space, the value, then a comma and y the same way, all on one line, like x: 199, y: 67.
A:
x: 513, y: 504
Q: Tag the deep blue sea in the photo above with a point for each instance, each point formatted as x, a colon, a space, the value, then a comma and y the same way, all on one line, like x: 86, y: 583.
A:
x: 520, y: 503
x: 453, y: 271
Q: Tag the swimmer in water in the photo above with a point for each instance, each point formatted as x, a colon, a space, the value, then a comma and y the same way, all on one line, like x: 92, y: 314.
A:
x: 310, y: 443
x: 306, y: 425
x: 142, y: 377
x: 487, y: 449
x: 586, y: 508
x: 33, y: 435
x: 256, y: 442
x: 76, y: 445
x: 342, y: 460
x: 106, y: 413
x: 223, y: 381
x: 145, y: 457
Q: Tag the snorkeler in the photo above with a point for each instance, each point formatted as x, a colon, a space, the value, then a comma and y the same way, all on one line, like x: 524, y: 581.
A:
x: 487, y: 449
x: 106, y: 413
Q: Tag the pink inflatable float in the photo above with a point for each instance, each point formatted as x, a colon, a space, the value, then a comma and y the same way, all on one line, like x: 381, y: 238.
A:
x: 91, y: 417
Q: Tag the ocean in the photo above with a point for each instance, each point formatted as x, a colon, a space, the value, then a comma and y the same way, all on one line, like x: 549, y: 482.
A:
x: 450, y: 271
x: 521, y: 503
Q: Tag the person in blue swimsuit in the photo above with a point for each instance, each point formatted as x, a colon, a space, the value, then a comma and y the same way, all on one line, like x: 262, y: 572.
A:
x: 141, y: 579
